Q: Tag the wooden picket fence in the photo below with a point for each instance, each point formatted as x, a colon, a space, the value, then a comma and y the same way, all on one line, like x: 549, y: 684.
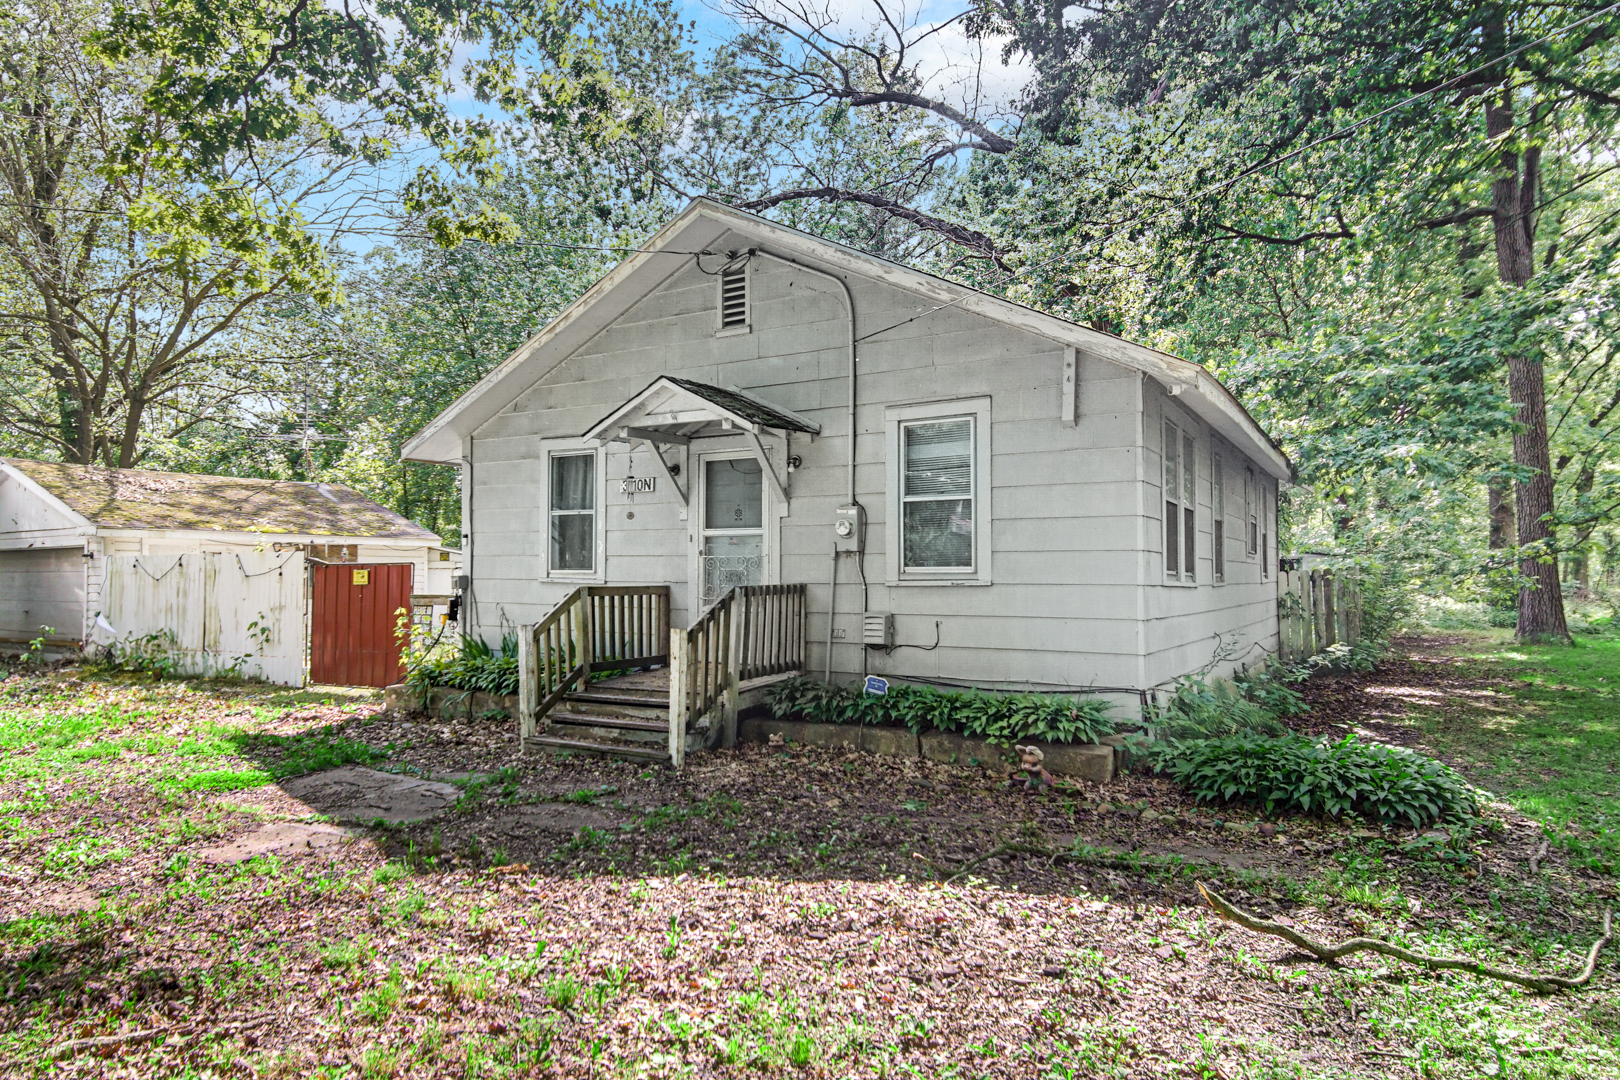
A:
x: 1316, y: 609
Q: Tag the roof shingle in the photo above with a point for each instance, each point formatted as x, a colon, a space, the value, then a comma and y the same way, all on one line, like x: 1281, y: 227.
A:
x: 142, y: 499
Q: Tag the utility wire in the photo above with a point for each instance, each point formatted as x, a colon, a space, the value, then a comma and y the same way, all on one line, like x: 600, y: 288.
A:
x: 1332, y: 136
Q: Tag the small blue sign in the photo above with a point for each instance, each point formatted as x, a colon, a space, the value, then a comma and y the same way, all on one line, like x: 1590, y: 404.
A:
x: 876, y: 685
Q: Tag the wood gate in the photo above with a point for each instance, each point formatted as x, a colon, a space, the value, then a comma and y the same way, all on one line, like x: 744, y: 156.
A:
x: 353, y: 614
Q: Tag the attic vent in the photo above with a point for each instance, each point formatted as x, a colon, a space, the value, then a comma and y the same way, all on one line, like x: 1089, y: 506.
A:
x: 734, y: 298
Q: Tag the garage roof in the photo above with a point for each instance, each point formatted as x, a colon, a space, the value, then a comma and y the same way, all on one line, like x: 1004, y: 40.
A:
x: 143, y: 499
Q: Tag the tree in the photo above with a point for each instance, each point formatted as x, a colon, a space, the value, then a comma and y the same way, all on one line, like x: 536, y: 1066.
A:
x: 1291, y: 77
x: 117, y: 323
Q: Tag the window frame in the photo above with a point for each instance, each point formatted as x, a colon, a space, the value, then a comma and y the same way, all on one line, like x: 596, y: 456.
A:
x: 1251, y: 512
x: 1217, y: 514
x: 1178, y: 513
x: 895, y: 419
x: 547, y: 512
x: 747, y: 325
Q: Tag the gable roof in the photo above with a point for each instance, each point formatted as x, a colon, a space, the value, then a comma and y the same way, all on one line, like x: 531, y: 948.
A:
x: 143, y: 499
x: 704, y: 222
x: 667, y: 404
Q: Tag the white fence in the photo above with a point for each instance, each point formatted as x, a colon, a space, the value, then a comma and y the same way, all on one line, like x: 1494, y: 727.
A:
x: 212, y: 614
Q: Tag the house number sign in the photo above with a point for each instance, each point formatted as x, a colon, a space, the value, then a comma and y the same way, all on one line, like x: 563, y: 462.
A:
x: 637, y: 485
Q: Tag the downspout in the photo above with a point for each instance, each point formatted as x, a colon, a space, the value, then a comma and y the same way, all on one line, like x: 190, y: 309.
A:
x: 849, y: 306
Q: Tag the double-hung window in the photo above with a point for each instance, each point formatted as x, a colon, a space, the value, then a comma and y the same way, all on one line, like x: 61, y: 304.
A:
x: 1267, y: 515
x: 938, y: 458
x: 1180, y: 504
x: 573, y: 513
x: 1251, y: 510
x: 937, y: 496
x: 1217, y: 513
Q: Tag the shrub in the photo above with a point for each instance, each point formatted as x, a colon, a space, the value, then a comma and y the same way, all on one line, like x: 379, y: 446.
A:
x: 1271, y: 686
x: 998, y: 717
x: 1210, y: 710
x: 1312, y: 776
x: 471, y: 666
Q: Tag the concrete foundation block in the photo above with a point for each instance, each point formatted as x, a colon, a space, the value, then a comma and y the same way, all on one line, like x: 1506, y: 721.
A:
x: 1083, y: 761
x: 951, y: 749
x: 890, y: 742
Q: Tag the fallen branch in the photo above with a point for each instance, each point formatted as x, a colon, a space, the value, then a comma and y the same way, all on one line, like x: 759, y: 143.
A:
x: 1540, y: 984
x: 145, y: 1034
x: 1541, y: 853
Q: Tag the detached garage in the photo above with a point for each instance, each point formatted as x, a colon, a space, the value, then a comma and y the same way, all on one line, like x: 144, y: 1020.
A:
x: 273, y: 579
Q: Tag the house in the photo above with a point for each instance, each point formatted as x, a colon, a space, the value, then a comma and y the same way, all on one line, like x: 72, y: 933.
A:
x: 200, y: 558
x: 963, y: 490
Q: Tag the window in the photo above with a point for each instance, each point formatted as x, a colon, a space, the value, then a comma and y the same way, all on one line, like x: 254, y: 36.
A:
x: 1217, y: 514
x: 937, y: 527
x: 734, y: 298
x: 936, y: 501
x: 573, y: 513
x: 1180, y: 504
x: 1251, y: 509
x: 1265, y: 535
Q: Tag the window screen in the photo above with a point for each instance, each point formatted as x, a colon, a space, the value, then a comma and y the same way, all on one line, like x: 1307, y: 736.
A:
x: 573, y: 512
x: 936, y: 501
x: 1251, y: 509
x: 1217, y: 511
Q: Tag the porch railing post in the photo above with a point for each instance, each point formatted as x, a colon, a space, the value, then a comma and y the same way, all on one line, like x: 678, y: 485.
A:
x: 528, y: 685
x: 733, y: 661
x: 678, y: 693
x: 582, y: 636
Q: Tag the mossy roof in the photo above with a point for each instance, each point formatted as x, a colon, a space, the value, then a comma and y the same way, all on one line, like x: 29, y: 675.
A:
x: 142, y: 499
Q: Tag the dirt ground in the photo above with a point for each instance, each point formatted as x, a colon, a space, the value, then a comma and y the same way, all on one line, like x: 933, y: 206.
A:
x: 432, y: 903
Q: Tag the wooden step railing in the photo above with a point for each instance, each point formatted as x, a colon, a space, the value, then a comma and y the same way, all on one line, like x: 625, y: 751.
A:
x: 751, y: 632
x: 594, y: 628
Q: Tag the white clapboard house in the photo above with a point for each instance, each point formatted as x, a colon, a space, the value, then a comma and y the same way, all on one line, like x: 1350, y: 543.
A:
x: 800, y: 457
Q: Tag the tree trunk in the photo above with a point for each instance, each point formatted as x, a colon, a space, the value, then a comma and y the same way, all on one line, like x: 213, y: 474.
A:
x: 1541, y: 601
x: 1503, y: 529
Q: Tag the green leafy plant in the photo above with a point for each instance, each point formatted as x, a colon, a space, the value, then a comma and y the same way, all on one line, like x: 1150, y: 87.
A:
x: 471, y: 665
x: 1385, y: 784
x: 998, y: 717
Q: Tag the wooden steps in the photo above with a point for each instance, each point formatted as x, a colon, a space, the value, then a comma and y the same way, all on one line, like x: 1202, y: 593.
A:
x: 625, y: 717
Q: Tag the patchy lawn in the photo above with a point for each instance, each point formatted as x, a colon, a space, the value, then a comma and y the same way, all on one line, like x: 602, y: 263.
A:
x: 193, y: 882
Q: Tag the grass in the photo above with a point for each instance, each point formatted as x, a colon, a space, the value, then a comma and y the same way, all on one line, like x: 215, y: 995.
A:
x: 409, y: 970
x: 1559, y: 725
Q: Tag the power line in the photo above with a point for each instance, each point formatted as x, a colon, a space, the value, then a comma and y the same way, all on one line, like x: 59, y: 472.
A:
x: 1280, y: 159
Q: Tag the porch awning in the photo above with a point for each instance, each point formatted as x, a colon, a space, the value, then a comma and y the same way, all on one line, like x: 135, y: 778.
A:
x: 677, y: 411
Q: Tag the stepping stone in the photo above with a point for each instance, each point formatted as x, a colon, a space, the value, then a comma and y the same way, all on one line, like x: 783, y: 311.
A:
x: 356, y: 793
x: 284, y: 839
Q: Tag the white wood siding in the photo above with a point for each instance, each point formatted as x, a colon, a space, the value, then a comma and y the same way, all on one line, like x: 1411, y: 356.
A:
x: 1064, y: 497
x: 1185, y: 624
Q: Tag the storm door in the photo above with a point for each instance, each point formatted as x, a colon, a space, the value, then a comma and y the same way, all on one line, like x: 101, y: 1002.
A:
x: 732, y: 541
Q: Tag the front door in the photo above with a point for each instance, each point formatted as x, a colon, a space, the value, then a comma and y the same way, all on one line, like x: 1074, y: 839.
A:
x: 733, y: 546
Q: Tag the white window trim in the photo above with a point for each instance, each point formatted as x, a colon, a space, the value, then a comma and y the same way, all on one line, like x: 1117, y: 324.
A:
x: 978, y: 408
x: 1182, y: 579
x: 1252, y: 500
x: 566, y: 448
x: 747, y: 327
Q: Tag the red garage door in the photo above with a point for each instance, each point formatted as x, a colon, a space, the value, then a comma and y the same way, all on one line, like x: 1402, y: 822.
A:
x: 353, y: 616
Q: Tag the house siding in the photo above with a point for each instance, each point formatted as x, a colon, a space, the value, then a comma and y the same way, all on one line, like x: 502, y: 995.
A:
x: 1064, y: 499
x: 1187, y: 627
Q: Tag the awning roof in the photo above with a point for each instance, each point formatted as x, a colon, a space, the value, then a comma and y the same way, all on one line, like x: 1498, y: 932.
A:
x: 674, y: 410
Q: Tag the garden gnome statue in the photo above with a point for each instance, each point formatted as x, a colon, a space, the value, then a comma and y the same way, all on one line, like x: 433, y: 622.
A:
x: 1036, y: 778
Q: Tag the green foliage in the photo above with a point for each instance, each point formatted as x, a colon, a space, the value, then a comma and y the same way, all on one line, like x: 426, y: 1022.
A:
x: 1293, y: 773
x: 1212, y: 709
x: 1003, y: 718
x: 472, y: 666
